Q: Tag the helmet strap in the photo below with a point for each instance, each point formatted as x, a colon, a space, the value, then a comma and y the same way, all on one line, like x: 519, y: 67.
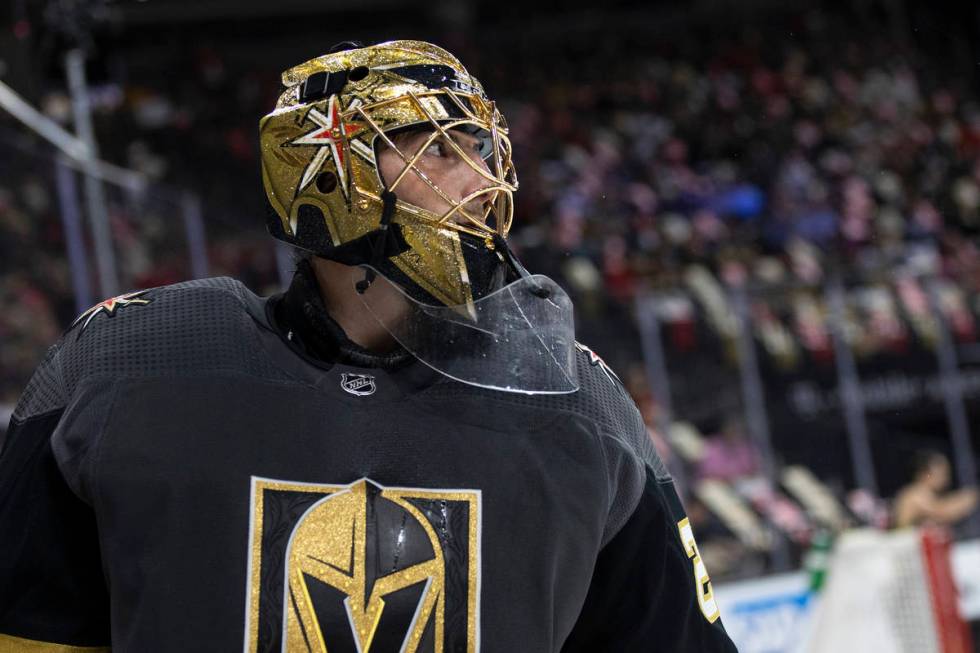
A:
x: 388, y: 199
x: 500, y: 244
x: 322, y: 84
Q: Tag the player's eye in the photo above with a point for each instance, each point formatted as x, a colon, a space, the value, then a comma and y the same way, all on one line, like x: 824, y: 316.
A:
x: 479, y: 146
x: 483, y: 148
x: 440, y: 148
x: 437, y: 148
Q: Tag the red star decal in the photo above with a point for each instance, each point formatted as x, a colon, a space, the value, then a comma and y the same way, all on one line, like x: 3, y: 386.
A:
x: 596, y: 361
x: 109, y: 307
x: 329, y: 136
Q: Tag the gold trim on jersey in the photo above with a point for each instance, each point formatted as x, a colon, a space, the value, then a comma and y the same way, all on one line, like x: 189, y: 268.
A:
x: 11, y: 644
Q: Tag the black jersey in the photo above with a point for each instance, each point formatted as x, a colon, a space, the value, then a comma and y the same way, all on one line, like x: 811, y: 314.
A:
x: 179, y: 476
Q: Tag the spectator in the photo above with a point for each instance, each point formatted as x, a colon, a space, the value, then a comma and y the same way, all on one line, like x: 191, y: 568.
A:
x: 729, y: 456
x: 925, y: 501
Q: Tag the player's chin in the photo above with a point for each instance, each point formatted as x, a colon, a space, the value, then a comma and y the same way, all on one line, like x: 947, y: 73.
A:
x: 471, y: 218
x: 474, y: 210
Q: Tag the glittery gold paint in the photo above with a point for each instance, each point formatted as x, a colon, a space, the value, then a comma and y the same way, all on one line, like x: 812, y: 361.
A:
x: 11, y: 644
x: 399, y: 495
x: 329, y: 543
x: 259, y: 486
x: 380, y: 102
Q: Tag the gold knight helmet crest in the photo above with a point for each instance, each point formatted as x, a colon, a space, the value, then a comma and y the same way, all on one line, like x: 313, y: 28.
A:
x: 362, y: 568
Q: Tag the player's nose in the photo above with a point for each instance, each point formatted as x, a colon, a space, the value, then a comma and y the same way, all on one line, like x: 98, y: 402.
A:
x: 478, y: 201
x: 475, y: 176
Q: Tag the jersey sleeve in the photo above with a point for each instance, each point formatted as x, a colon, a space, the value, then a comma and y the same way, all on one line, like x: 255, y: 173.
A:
x: 53, y: 593
x: 649, y: 590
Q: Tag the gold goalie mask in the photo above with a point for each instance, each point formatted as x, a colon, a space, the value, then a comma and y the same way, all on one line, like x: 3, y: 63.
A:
x: 473, y: 307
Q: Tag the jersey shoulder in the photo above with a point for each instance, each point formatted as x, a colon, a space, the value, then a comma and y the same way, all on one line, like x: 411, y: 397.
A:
x: 194, y: 327
x: 603, y: 398
x: 631, y: 457
x: 601, y: 401
x: 601, y: 404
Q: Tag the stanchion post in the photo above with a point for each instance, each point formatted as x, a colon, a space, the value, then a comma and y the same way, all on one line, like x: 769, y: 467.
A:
x: 98, y: 214
x: 754, y: 399
x: 71, y: 220
x: 849, y: 391
x: 952, y: 389
x: 197, y: 248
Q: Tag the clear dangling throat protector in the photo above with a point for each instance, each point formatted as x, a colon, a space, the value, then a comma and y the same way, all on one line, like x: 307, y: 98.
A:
x: 520, y: 338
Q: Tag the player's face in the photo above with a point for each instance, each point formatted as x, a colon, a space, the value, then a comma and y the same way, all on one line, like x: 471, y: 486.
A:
x: 443, y: 165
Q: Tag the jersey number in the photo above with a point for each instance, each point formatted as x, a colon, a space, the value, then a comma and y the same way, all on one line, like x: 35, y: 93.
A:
x: 706, y: 597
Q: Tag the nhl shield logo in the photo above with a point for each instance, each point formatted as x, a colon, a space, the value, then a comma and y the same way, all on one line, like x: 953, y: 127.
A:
x: 358, y: 384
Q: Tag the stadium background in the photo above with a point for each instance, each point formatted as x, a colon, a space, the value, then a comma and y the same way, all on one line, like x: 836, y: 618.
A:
x: 766, y: 213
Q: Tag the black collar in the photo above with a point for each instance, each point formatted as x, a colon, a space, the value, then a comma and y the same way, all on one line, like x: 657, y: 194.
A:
x: 302, y: 318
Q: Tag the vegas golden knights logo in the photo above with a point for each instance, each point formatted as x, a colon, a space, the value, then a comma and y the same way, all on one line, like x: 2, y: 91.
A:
x: 362, y: 568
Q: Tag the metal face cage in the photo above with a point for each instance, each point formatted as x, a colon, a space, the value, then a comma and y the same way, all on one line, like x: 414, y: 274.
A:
x: 498, y: 169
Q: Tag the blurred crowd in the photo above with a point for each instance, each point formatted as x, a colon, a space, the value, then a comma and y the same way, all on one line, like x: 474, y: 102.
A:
x: 754, y: 162
x: 35, y: 285
x: 767, y: 168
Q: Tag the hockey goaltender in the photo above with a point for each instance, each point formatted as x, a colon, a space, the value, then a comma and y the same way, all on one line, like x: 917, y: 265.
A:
x: 405, y: 451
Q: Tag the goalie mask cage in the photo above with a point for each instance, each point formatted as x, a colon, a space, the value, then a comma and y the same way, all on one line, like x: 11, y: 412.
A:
x: 890, y: 592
